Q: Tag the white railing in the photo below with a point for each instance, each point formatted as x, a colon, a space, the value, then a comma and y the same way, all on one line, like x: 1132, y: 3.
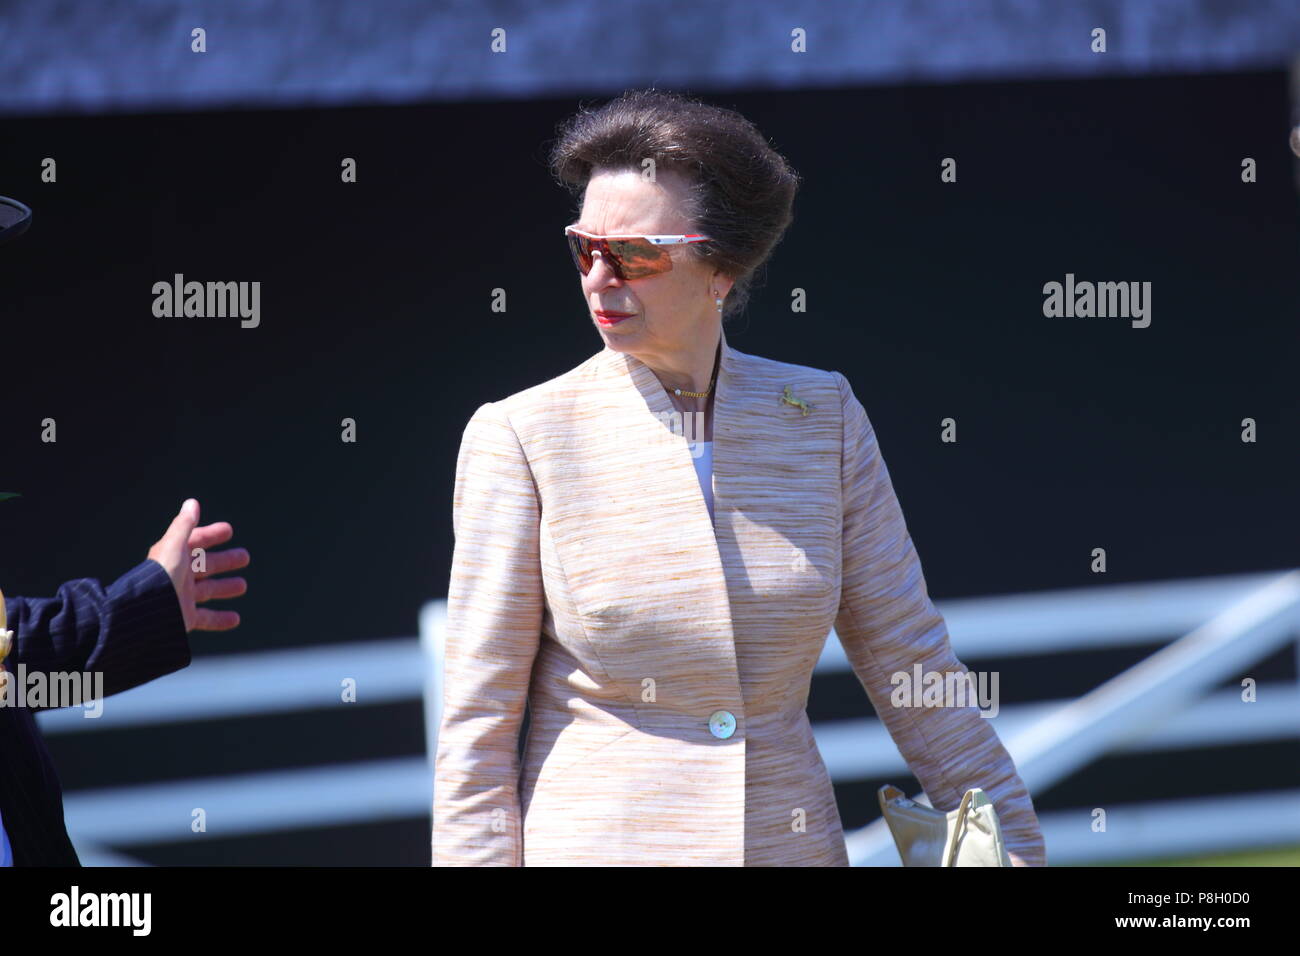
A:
x: 243, y: 685
x: 1164, y: 702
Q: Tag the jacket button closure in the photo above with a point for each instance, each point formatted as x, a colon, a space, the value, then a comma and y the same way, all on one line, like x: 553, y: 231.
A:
x: 722, y: 724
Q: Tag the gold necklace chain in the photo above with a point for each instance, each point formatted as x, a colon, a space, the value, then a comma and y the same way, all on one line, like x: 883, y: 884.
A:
x: 713, y: 381
x: 703, y: 394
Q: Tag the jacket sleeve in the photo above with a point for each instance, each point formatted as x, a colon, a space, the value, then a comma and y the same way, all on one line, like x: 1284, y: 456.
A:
x: 132, y: 631
x: 494, y: 620
x: 887, y: 624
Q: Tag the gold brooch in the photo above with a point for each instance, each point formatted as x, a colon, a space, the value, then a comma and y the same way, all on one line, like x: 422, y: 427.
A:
x: 788, y: 398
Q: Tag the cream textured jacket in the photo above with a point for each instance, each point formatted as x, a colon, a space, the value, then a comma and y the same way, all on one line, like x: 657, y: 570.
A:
x: 666, y: 659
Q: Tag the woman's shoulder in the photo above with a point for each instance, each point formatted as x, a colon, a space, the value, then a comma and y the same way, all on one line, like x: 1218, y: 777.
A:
x: 778, y: 369
x: 562, y: 385
x: 819, y: 386
x: 566, y: 390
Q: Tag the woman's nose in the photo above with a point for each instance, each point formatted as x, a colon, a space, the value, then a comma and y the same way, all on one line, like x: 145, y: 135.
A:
x: 602, y: 272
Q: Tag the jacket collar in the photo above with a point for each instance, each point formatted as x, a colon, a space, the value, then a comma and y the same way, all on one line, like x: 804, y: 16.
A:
x: 631, y: 371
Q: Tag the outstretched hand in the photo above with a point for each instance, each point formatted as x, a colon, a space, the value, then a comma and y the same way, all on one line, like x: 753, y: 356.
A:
x: 174, y: 552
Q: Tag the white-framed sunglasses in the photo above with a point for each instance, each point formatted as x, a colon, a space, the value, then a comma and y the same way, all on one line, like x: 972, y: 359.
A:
x: 631, y: 257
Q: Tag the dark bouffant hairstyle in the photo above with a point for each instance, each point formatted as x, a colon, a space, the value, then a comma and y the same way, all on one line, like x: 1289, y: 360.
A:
x: 742, y: 190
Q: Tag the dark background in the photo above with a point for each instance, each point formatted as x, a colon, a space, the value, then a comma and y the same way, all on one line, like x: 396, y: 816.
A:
x: 1074, y: 433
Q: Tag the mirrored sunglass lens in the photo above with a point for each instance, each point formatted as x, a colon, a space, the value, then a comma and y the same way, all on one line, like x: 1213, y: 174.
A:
x: 581, y: 251
x: 639, y: 257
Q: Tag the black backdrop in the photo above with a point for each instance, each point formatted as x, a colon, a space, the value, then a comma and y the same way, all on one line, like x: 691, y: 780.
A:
x: 1074, y: 433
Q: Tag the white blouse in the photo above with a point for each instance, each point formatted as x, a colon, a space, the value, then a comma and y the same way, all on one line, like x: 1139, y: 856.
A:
x: 702, y: 455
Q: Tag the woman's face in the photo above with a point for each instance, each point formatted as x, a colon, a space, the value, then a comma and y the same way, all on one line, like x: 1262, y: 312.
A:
x: 673, y: 313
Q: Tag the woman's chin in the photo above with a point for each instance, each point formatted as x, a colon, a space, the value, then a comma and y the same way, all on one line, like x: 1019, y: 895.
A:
x: 616, y: 334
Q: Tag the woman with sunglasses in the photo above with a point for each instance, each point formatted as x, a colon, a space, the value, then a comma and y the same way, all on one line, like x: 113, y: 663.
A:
x: 651, y: 550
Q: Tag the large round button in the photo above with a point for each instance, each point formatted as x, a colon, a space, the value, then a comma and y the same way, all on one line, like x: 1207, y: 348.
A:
x: 722, y: 724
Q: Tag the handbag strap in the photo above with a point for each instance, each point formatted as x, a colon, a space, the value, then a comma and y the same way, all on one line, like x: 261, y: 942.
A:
x: 958, y: 830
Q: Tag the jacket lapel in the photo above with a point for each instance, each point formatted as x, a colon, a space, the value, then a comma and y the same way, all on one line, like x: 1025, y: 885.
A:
x: 660, y: 407
x: 629, y: 518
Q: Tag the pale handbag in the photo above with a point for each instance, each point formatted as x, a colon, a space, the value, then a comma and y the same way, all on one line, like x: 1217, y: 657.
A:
x: 967, y: 836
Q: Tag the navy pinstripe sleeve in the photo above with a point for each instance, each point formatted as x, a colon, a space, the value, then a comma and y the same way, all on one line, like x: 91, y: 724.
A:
x: 132, y: 631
